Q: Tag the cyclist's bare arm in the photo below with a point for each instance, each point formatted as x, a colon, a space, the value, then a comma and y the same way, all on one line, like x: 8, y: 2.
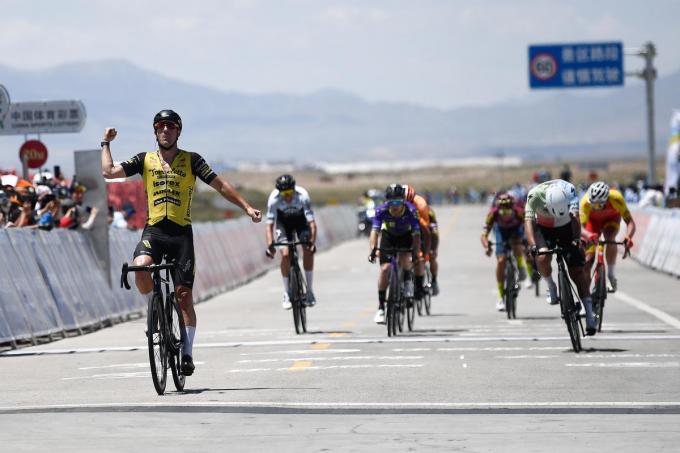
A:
x: 109, y: 170
x: 312, y: 231
x: 231, y: 194
x: 529, y: 231
x: 630, y: 228
x: 373, y: 239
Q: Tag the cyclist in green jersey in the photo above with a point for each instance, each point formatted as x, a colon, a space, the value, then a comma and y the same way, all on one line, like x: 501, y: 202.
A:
x: 169, y: 176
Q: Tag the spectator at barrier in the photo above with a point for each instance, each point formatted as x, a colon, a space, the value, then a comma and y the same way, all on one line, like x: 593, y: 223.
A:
x: 119, y: 219
x: 74, y: 213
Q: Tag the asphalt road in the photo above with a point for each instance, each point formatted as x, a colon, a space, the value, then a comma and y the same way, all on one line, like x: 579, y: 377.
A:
x: 466, y: 379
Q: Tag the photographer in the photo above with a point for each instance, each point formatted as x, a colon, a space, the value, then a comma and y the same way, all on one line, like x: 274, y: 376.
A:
x: 74, y: 212
x: 22, y: 204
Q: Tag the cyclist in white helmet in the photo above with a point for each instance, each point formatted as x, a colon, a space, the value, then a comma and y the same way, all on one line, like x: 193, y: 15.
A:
x: 601, y: 212
x: 552, y: 218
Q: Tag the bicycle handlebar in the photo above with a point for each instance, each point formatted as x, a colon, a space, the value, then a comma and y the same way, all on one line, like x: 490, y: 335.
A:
x: 150, y: 268
x: 289, y: 243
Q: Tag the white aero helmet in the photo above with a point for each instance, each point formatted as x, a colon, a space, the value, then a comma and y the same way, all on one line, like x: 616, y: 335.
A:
x: 557, y: 201
x: 598, y: 192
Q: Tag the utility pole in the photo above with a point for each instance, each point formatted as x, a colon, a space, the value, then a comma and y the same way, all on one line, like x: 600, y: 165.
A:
x: 648, y: 74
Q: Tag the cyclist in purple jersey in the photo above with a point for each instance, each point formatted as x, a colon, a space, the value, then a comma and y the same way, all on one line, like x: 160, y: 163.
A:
x: 396, y: 222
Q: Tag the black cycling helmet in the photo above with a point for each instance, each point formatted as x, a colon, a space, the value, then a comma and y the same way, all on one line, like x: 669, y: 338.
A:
x: 167, y: 115
x: 395, y: 192
x: 285, y: 182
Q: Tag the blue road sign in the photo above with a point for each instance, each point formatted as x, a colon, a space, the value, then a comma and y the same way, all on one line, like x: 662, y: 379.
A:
x: 576, y: 65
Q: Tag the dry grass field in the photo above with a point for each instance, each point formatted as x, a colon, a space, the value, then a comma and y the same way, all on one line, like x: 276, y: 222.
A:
x: 346, y: 188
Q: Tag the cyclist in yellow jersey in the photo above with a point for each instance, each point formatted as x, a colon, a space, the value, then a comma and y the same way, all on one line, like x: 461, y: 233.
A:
x: 169, y: 175
x: 601, y: 211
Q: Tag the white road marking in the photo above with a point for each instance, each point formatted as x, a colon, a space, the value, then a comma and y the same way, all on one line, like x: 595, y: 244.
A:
x: 332, y: 367
x: 118, y: 365
x: 661, y: 315
x: 301, y: 351
x: 338, y: 358
x: 132, y: 375
x: 368, y: 340
x: 590, y: 356
x: 330, y: 405
x: 626, y: 365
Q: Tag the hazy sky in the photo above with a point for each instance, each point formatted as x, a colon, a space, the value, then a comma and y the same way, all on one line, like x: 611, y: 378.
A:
x: 438, y: 53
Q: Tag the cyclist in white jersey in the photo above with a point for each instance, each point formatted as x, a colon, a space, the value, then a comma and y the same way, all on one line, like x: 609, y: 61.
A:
x: 551, y: 218
x: 289, y: 213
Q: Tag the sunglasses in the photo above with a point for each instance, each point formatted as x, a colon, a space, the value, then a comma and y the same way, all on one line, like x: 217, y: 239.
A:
x: 287, y: 192
x: 392, y: 203
x: 598, y: 205
x: 166, y: 124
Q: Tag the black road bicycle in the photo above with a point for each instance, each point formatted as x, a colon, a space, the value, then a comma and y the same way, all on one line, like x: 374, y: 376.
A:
x: 568, y: 306
x: 426, y: 301
x: 397, y: 306
x: 164, y: 326
x: 599, y: 278
x: 297, y: 287
x: 510, y: 279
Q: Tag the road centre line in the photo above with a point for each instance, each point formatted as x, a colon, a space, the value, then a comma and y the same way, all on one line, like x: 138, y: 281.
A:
x: 659, y: 314
x: 590, y: 356
x: 368, y: 340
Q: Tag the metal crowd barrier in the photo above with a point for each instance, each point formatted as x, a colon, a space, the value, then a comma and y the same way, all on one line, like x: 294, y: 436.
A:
x: 51, y: 285
x: 657, y: 240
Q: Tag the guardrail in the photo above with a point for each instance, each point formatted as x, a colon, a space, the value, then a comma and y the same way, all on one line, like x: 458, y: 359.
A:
x: 657, y: 240
x: 51, y: 285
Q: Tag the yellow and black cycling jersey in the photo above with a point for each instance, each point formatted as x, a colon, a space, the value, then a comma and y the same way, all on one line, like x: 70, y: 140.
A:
x: 169, y: 193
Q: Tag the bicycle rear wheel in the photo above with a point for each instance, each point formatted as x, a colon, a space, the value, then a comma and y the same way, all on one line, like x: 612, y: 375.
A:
x: 176, y: 324
x: 569, y: 313
x: 155, y: 335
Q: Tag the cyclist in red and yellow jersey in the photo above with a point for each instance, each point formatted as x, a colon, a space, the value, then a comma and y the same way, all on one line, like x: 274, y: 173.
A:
x: 434, y: 247
x: 425, y: 236
x: 601, y: 211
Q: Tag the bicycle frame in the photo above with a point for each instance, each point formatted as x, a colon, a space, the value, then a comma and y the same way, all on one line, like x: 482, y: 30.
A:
x: 297, y: 286
x: 599, y: 277
x: 161, y: 326
x: 568, y: 307
x: 394, y: 308
x: 510, y: 278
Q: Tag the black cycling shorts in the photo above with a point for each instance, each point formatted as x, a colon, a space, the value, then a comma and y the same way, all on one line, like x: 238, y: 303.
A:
x: 287, y: 226
x: 174, y: 241
x: 388, y: 241
x: 562, y: 236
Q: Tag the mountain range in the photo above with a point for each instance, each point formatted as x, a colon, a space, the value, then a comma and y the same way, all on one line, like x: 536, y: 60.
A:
x: 336, y: 126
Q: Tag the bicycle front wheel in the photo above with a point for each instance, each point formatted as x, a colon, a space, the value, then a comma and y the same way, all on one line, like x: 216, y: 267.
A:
x: 155, y: 335
x: 176, y: 324
x: 602, y: 296
x: 569, y: 313
x: 410, y: 313
x: 509, y: 288
x: 427, y: 298
x: 392, y: 304
x: 295, y: 299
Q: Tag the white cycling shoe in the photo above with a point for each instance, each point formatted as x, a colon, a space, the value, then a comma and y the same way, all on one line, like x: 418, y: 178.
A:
x: 379, y: 317
x: 285, y: 303
x: 500, y: 305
